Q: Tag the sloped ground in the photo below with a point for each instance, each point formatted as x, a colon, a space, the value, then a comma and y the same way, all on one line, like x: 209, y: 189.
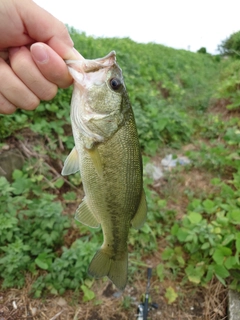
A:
x: 176, y: 72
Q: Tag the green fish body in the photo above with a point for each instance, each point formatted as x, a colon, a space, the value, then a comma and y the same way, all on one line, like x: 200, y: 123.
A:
x: 107, y: 153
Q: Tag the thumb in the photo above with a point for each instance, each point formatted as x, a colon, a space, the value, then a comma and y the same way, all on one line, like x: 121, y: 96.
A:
x: 41, y: 26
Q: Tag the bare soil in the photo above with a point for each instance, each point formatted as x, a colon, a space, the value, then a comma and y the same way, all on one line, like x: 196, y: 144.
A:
x: 193, y: 303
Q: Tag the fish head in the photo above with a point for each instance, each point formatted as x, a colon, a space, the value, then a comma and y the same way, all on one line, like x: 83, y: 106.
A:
x: 98, y: 102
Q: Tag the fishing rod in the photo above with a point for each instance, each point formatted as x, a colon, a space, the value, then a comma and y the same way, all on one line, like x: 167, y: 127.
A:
x: 144, y: 307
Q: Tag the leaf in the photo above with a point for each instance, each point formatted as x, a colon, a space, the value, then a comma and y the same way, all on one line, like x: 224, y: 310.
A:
x: 236, y: 274
x: 194, y: 217
x: 221, y: 271
x: 41, y: 264
x: 167, y: 253
x: 146, y: 228
x: 59, y: 183
x: 237, y: 257
x: 43, y: 261
x: 89, y: 282
x: 181, y: 261
x: 174, y: 229
x: 195, y: 274
x: 209, y: 206
x: 227, y: 239
x: 216, y: 181
x: 182, y: 234
x: 238, y: 242
x: 17, y: 174
x: 230, y: 262
x: 209, y: 274
x: 205, y: 246
x: 234, y: 215
x: 170, y: 295
x: 221, y: 279
x: 220, y: 254
x: 21, y: 185
x: 160, y: 271
x: 161, y: 203
x: 70, y: 196
x: 52, y: 107
x: 161, y: 124
x: 88, y: 294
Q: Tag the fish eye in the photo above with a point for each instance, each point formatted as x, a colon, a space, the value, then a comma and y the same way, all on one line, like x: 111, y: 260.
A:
x: 115, y: 83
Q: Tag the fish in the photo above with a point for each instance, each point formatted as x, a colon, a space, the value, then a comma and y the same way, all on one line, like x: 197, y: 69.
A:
x: 107, y: 153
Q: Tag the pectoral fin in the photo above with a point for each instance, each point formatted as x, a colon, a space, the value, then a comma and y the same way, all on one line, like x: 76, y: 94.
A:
x: 96, y: 159
x: 71, y: 164
x: 140, y: 216
x: 85, y: 215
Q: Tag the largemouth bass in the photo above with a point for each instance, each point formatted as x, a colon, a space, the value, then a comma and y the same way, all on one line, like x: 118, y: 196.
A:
x: 107, y: 153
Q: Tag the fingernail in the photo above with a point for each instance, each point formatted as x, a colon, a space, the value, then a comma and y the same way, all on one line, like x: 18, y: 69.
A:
x: 74, y: 54
x: 77, y: 54
x: 39, y: 53
x: 71, y: 40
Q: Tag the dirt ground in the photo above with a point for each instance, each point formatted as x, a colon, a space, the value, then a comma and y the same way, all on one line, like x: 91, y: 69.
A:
x: 193, y: 303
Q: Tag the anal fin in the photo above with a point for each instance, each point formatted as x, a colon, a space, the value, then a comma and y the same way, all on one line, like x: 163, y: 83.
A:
x: 141, y: 214
x: 71, y: 164
x: 84, y: 215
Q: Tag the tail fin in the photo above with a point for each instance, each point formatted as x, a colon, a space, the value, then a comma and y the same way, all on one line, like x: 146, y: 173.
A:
x: 116, y: 270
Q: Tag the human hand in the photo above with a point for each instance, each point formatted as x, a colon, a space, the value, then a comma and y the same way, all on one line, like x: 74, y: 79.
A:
x: 33, y: 45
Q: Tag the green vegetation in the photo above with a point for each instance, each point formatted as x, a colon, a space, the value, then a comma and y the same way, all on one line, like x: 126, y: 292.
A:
x: 161, y: 83
x: 231, y: 45
x: 171, y: 92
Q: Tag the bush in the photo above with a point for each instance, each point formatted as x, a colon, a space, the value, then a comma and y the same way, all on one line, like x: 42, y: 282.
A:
x: 31, y: 228
x: 202, y: 50
x: 231, y: 46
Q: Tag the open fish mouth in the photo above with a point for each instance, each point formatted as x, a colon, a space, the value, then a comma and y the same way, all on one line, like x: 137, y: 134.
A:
x: 88, y: 65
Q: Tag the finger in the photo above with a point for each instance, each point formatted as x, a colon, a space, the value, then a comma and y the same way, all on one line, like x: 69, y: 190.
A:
x: 27, y: 71
x: 11, y: 22
x: 4, y: 55
x: 51, y: 65
x: 5, y: 106
x: 43, y: 27
x: 14, y: 90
